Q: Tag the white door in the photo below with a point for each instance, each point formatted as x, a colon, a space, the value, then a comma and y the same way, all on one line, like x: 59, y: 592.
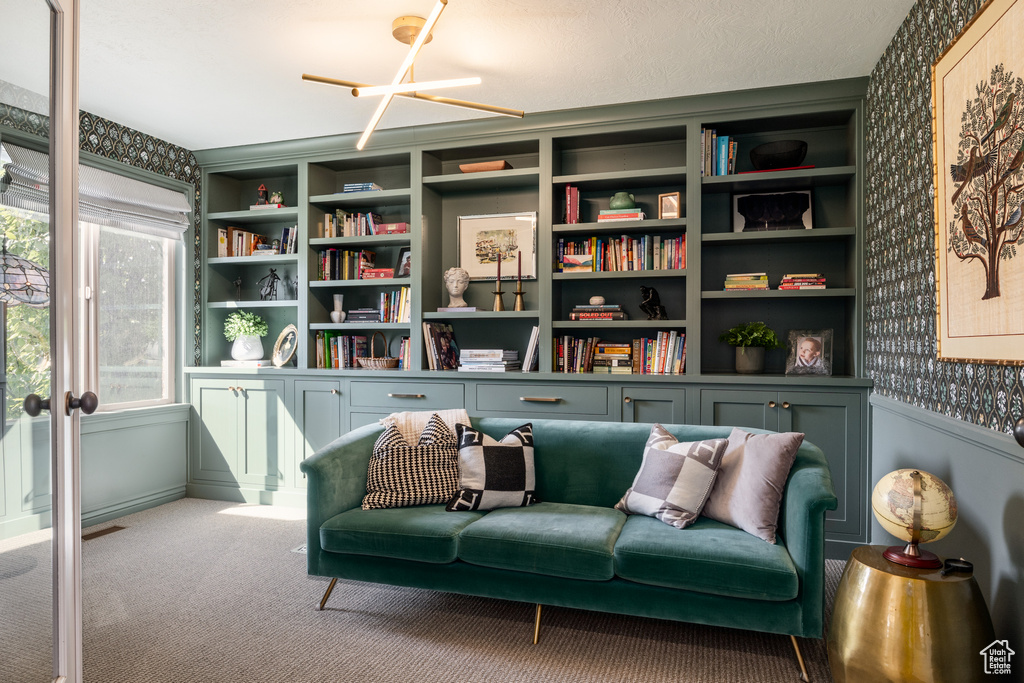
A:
x: 40, y: 521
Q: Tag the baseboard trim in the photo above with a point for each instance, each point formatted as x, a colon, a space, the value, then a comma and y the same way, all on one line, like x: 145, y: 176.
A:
x: 291, y: 498
x: 93, y: 517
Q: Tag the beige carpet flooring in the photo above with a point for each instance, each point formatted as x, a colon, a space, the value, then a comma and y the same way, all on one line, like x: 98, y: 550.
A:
x: 198, y: 591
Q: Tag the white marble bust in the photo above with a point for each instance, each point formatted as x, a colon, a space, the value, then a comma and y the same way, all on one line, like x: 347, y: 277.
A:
x: 456, y: 280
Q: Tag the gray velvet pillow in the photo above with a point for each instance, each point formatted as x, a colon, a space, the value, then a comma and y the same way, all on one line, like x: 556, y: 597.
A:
x: 748, y: 490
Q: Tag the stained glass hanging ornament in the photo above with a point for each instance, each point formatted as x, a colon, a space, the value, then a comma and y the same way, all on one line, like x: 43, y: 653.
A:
x: 22, y: 281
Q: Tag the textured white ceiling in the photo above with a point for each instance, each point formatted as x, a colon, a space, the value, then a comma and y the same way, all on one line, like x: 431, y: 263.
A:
x: 202, y: 73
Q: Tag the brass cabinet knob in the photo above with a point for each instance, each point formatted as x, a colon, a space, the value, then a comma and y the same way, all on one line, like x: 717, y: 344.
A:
x: 771, y: 404
x: 785, y: 404
x: 334, y: 391
x: 628, y: 399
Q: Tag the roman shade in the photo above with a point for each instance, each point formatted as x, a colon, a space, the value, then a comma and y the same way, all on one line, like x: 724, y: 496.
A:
x: 104, y: 198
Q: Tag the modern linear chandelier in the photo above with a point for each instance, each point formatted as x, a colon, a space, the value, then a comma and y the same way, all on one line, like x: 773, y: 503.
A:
x: 415, y: 32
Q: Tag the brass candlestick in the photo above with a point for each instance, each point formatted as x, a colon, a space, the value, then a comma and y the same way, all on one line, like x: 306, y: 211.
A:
x: 499, y: 305
x: 519, y: 305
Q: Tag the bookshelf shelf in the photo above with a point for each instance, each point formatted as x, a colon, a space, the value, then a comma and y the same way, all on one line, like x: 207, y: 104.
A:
x: 649, y: 225
x: 510, y: 178
x: 778, y: 236
x: 252, y: 260
x: 611, y: 324
x: 359, y: 326
x: 832, y: 292
x: 256, y: 216
x: 361, y: 241
x: 482, y: 315
x: 390, y: 282
x: 371, y: 198
x: 253, y: 304
x: 621, y: 275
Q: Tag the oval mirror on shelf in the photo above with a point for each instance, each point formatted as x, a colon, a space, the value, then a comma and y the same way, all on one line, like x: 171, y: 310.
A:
x: 284, y: 349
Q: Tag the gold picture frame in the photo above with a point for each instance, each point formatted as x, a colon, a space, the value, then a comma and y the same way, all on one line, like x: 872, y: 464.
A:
x: 978, y: 105
x: 669, y: 205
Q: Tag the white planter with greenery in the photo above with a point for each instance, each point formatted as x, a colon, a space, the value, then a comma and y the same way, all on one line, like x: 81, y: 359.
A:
x: 245, y: 330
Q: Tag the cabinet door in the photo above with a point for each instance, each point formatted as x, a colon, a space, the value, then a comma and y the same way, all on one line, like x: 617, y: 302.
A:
x: 647, y: 404
x: 832, y: 422
x: 215, y: 441
x: 262, y: 428
x: 725, y: 407
x: 318, y: 416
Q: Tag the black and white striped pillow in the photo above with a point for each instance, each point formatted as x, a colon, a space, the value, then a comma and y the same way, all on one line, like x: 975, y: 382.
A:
x: 400, y: 475
x: 494, y: 474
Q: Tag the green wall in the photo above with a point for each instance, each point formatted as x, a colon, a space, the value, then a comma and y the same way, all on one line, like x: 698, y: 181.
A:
x: 951, y: 419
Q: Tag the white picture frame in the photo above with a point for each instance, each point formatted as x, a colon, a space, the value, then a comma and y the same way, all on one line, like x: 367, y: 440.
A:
x: 513, y: 235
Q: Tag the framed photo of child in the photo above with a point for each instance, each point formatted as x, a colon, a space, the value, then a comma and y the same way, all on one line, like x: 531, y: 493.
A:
x: 810, y: 352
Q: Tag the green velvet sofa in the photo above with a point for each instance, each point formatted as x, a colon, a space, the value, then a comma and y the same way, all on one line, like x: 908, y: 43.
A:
x: 574, y: 549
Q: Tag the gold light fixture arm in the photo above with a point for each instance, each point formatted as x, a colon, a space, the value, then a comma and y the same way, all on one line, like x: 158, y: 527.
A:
x: 502, y: 111
x: 412, y: 86
x: 421, y: 38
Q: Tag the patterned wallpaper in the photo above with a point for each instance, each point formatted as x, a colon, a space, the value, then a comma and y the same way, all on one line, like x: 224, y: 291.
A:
x: 114, y: 141
x: 900, y: 269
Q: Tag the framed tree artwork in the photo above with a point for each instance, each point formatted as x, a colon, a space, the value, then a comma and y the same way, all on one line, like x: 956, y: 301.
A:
x: 978, y: 98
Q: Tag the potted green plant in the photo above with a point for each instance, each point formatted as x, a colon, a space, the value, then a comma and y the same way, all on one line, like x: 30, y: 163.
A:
x: 244, y: 329
x: 751, y: 340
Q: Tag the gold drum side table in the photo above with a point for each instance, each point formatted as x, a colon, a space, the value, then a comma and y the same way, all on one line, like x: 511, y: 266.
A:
x: 896, y: 623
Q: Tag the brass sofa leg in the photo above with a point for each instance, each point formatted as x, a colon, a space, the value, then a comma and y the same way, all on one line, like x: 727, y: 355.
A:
x: 536, y: 627
x: 800, y: 659
x: 327, y: 594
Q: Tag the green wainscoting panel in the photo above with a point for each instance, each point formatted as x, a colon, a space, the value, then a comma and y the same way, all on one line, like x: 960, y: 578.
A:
x: 319, y: 419
x: 649, y: 404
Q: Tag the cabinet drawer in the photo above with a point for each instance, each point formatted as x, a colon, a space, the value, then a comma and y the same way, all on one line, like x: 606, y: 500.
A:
x: 547, y: 398
x: 407, y: 395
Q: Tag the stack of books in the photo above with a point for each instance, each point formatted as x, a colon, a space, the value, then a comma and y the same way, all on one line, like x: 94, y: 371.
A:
x: 573, y: 355
x: 572, y: 204
x: 620, y: 215
x: 717, y: 153
x: 613, y: 357
x: 360, y: 187
x: 606, y: 254
x: 741, y: 281
x: 341, y: 223
x: 488, y: 360
x: 363, y: 315
x: 601, y: 312
x: 532, y: 352
x: 442, y: 350
x: 344, y: 264
x: 802, y: 281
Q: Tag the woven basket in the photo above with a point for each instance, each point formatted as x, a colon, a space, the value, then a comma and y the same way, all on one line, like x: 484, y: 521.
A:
x: 375, y: 363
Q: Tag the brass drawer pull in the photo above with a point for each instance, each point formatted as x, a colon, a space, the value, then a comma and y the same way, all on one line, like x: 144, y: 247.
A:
x: 628, y: 399
x: 771, y: 404
x: 538, y: 399
x: 785, y: 404
x: 334, y: 391
x: 407, y: 395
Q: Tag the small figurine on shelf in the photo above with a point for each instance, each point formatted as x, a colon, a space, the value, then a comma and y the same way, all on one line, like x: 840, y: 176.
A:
x: 261, y: 195
x: 238, y: 289
x: 456, y: 280
x: 277, y: 197
x: 268, y: 286
x: 651, y: 304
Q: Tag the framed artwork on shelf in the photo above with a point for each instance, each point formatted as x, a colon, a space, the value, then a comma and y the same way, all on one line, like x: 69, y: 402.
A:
x: 772, y: 211
x: 503, y: 242
x: 668, y: 205
x: 978, y: 103
x: 403, y: 266
x: 810, y: 352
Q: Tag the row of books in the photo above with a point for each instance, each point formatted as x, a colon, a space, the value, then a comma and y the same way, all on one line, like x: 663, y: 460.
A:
x: 603, y: 254
x: 597, y: 312
x: 360, y: 187
x: 340, y: 351
x: 745, y: 281
x: 717, y: 153
x: 341, y: 223
x: 233, y: 241
x: 488, y: 360
x: 665, y: 353
x: 442, y: 350
x: 572, y: 204
x: 790, y: 281
x: 344, y: 264
x: 802, y: 281
x: 392, y: 307
x: 606, y: 215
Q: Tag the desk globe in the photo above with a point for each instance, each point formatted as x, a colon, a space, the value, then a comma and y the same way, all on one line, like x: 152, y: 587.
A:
x: 915, y: 507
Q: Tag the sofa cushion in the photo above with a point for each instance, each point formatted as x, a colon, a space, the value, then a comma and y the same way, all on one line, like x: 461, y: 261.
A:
x: 675, y: 478
x: 400, y: 474
x: 494, y: 474
x: 706, y: 557
x: 558, y: 539
x: 425, y: 533
x: 748, y: 491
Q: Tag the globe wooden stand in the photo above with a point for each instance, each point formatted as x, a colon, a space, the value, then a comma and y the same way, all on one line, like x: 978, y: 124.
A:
x: 896, y: 623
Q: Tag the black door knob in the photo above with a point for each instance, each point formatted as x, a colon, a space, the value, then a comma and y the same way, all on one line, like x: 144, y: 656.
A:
x: 88, y: 403
x: 34, y: 405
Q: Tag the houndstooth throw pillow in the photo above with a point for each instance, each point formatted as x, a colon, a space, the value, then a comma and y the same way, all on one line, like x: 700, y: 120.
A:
x: 494, y: 474
x: 400, y: 475
x: 675, y: 478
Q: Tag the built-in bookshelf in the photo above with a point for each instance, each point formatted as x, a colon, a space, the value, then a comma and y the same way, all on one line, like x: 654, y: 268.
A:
x: 566, y: 177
